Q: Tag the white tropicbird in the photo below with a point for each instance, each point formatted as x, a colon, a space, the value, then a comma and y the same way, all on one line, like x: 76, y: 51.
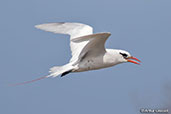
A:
x: 88, y: 50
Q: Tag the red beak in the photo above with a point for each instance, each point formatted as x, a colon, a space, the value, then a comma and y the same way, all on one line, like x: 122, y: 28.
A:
x: 134, y: 58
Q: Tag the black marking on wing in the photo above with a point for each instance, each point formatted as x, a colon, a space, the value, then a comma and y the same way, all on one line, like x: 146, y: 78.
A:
x: 65, y: 73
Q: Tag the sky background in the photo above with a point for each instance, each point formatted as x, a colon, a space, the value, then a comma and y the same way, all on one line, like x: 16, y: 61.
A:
x: 142, y: 27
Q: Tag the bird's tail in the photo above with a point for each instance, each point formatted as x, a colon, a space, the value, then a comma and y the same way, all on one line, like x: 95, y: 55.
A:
x: 57, y: 70
x: 54, y: 71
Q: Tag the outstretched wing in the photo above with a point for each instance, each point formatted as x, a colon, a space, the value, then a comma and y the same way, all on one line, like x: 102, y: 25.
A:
x: 75, y: 30
x: 72, y: 29
x: 95, y: 44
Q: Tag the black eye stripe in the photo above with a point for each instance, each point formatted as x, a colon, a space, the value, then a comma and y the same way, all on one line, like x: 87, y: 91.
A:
x: 124, y: 54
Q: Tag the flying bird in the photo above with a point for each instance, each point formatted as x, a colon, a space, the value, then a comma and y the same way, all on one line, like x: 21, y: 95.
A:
x: 88, y: 49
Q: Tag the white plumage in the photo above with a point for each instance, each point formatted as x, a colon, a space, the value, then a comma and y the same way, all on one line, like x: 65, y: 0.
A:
x: 88, y: 50
x: 75, y: 30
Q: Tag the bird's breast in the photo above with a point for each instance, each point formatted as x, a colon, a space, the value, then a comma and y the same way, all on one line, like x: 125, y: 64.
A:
x: 92, y: 64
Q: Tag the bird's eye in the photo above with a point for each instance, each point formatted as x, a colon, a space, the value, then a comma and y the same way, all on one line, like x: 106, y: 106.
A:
x: 124, y: 55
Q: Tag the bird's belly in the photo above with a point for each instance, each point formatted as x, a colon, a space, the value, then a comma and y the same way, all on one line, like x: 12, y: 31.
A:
x: 91, y: 65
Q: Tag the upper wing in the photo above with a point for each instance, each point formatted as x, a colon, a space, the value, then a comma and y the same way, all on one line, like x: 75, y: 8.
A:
x: 95, y: 44
x: 75, y: 30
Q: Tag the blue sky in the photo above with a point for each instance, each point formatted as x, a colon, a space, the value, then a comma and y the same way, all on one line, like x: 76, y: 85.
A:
x: 141, y: 27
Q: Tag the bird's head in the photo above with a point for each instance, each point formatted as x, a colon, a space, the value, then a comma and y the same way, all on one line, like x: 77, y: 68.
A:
x: 125, y: 56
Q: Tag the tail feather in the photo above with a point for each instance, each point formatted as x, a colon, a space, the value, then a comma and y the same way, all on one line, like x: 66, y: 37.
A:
x: 27, y: 82
x: 54, y: 71
x: 57, y: 70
